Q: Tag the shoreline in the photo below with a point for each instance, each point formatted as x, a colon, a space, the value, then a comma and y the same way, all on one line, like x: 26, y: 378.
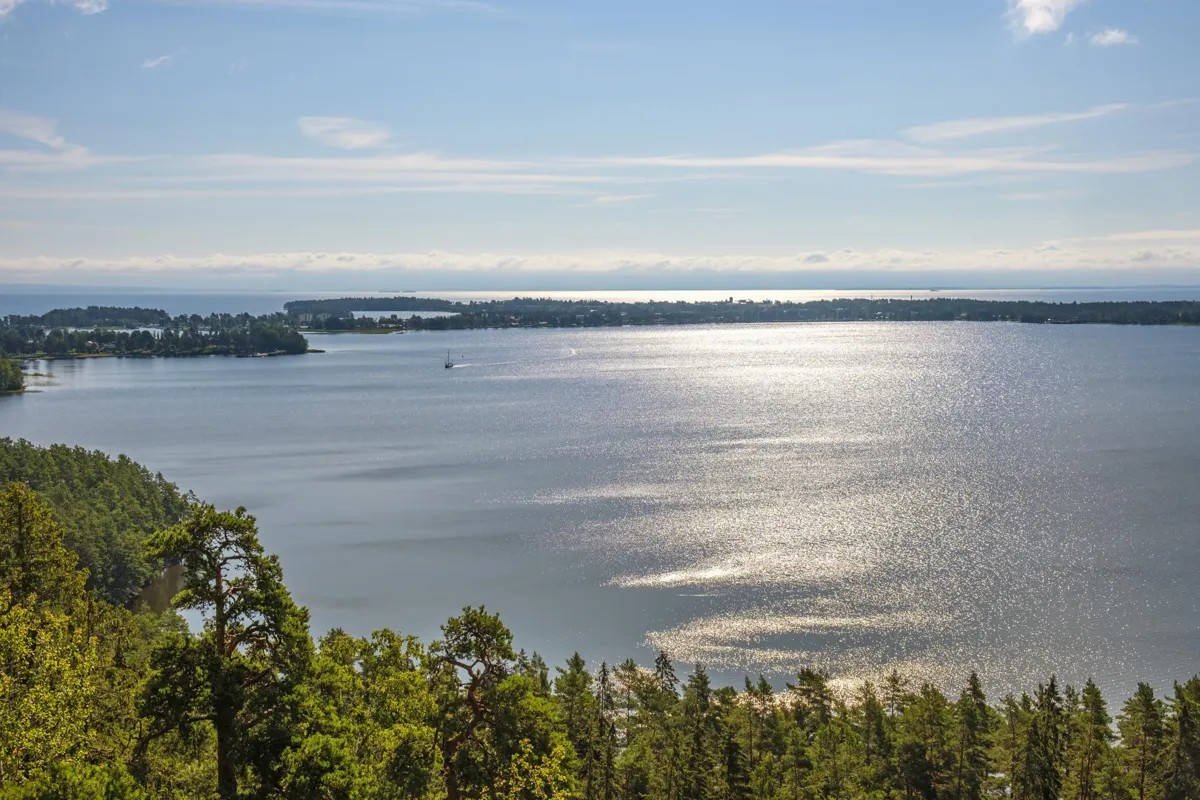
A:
x: 88, y: 356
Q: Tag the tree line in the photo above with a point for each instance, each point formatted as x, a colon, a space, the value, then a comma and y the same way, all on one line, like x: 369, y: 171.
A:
x: 100, y: 701
x: 136, y: 317
x: 106, y: 507
x: 554, y: 313
x: 253, y: 339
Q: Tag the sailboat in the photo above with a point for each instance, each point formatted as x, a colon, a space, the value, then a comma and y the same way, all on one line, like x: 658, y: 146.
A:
x: 449, y: 363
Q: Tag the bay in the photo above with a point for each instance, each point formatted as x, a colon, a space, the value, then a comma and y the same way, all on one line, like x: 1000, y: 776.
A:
x: 939, y: 497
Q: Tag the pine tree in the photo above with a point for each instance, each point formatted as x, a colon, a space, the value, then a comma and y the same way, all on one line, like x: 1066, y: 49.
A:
x: 1141, y: 726
x: 573, y: 691
x: 733, y: 780
x: 1044, y: 758
x: 923, y: 752
x: 1182, y: 768
x: 1013, y: 746
x: 699, y: 719
x: 759, y: 700
x: 255, y: 649
x: 895, y: 693
x: 812, y: 699
x: 836, y: 755
x: 874, y: 730
x: 664, y: 671
x: 33, y: 560
x: 605, y: 731
x: 1091, y: 743
x: 972, y: 741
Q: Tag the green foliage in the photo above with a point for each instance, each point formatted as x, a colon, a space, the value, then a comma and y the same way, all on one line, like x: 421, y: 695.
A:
x: 79, y: 782
x: 1142, y: 729
x: 151, y: 332
x: 35, y: 566
x: 98, y: 701
x: 12, y: 379
x: 241, y: 674
x: 106, y: 507
x: 48, y: 674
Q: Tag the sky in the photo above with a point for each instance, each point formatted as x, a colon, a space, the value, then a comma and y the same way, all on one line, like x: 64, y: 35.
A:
x: 327, y: 144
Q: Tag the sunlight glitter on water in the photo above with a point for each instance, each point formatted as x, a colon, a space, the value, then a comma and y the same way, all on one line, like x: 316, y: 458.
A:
x: 934, y: 498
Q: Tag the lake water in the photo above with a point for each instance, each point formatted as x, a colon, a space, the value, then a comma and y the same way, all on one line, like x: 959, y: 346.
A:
x: 39, y: 300
x: 936, y: 497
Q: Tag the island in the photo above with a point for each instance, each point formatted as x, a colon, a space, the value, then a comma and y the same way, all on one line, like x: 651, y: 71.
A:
x: 350, y: 313
x: 109, y: 331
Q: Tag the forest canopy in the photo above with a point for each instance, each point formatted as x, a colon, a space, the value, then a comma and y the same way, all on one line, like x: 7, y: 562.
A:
x: 105, y: 506
x: 560, y: 313
x: 97, y: 701
x: 12, y: 379
x: 109, y: 330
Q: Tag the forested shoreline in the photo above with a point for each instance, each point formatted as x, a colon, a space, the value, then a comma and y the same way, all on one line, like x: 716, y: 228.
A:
x: 101, y: 698
x: 555, y: 313
x: 110, y: 330
x: 105, y: 330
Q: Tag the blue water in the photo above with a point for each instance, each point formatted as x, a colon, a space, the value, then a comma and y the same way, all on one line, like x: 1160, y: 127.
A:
x: 1011, y: 498
x: 22, y: 300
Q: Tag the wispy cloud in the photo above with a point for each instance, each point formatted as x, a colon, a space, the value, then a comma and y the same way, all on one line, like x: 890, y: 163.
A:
x: 1155, y: 235
x: 155, y: 63
x: 899, y: 158
x: 982, y: 126
x: 56, y: 153
x: 34, y: 128
x: 615, y: 199
x: 468, y: 184
x: 84, y: 6
x: 1112, y: 37
x: 1031, y: 17
x: 344, y: 132
x: 53, y: 153
x: 604, y: 179
x: 1053, y: 194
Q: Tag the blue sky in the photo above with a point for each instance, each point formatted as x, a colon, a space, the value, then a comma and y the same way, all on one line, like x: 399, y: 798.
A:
x: 330, y: 143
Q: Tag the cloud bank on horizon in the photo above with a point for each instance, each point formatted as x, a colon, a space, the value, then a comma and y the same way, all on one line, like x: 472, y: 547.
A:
x: 448, y: 135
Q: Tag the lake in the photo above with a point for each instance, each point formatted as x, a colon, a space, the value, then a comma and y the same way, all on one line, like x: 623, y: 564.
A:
x: 935, y: 497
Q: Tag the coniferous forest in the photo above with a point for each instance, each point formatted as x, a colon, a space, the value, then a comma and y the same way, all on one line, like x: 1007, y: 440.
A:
x: 101, y: 697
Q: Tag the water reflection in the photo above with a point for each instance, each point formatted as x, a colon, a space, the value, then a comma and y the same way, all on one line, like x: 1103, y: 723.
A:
x: 942, y: 497
x: 157, y: 596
